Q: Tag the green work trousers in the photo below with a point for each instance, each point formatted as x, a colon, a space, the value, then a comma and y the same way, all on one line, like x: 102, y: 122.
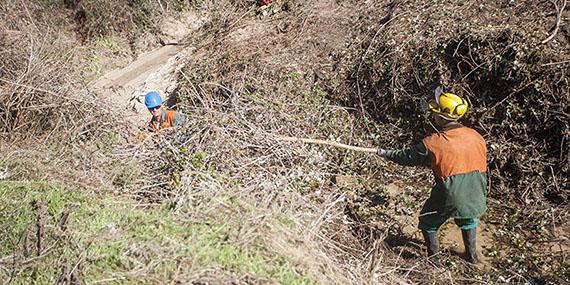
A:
x: 432, y: 221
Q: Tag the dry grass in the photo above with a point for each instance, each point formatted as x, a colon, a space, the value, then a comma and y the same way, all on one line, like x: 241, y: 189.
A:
x: 227, y: 164
x: 328, y: 70
x: 47, y: 113
x: 305, y: 70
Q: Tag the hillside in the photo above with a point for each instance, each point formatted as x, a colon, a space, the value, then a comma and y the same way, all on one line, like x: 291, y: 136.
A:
x: 90, y: 197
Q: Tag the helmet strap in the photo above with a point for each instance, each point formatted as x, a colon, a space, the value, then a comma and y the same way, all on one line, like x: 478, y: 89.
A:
x: 447, y: 119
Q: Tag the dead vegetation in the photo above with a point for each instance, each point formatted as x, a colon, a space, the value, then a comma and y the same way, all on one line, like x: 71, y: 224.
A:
x: 357, y: 74
x: 353, y: 73
x: 47, y: 53
x: 39, y: 97
x: 42, y: 89
x: 283, y: 193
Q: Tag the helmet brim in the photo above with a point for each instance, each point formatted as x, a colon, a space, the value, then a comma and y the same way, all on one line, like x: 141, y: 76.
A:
x: 435, y: 108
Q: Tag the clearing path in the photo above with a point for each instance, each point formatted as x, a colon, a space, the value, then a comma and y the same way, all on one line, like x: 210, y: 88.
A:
x: 125, y: 87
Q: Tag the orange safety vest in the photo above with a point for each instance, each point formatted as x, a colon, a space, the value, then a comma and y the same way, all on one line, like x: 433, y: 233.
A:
x: 456, y: 151
x: 166, y: 120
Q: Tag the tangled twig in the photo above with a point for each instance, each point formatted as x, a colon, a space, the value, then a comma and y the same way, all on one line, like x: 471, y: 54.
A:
x: 559, y: 11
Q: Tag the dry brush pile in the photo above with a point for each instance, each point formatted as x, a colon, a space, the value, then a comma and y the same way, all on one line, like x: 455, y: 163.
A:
x: 41, y: 64
x: 342, y: 71
x: 227, y: 162
x: 47, y: 112
x: 357, y: 74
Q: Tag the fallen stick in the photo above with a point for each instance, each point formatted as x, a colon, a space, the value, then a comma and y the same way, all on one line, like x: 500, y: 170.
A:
x: 335, y: 144
x: 559, y: 11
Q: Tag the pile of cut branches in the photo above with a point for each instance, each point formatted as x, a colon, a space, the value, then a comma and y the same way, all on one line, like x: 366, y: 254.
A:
x: 280, y: 70
x: 37, y: 94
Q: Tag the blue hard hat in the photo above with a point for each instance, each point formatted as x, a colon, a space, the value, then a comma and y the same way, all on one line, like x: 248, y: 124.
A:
x: 152, y: 99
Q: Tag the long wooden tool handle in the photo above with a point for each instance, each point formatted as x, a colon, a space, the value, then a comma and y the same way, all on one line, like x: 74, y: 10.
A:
x: 335, y: 144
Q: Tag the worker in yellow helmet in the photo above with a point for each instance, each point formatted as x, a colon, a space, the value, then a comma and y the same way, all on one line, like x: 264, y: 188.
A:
x: 458, y: 157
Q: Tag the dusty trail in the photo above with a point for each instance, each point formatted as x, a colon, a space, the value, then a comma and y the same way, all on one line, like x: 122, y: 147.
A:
x: 155, y: 70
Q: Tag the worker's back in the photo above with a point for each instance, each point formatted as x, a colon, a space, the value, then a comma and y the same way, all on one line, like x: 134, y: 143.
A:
x: 456, y: 151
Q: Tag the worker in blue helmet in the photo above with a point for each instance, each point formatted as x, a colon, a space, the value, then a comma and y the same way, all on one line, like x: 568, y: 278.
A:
x: 161, y: 117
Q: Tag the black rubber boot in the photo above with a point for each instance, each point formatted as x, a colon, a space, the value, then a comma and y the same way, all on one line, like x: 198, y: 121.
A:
x: 470, y: 242
x: 432, y: 246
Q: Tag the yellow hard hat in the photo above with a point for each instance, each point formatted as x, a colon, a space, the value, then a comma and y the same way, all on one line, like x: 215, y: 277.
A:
x: 449, y: 105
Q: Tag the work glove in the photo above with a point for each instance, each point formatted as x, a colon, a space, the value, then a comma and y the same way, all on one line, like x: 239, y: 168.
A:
x: 382, y: 152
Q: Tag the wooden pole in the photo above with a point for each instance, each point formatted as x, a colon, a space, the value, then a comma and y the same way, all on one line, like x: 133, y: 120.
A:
x: 335, y: 144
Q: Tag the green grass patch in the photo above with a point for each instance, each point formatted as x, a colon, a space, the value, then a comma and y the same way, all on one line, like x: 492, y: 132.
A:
x: 108, y: 43
x: 109, y: 237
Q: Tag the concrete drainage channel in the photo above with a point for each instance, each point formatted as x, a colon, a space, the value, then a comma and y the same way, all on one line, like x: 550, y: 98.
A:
x: 155, y: 70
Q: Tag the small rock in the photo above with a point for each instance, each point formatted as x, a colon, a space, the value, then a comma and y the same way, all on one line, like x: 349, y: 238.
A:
x: 4, y: 174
